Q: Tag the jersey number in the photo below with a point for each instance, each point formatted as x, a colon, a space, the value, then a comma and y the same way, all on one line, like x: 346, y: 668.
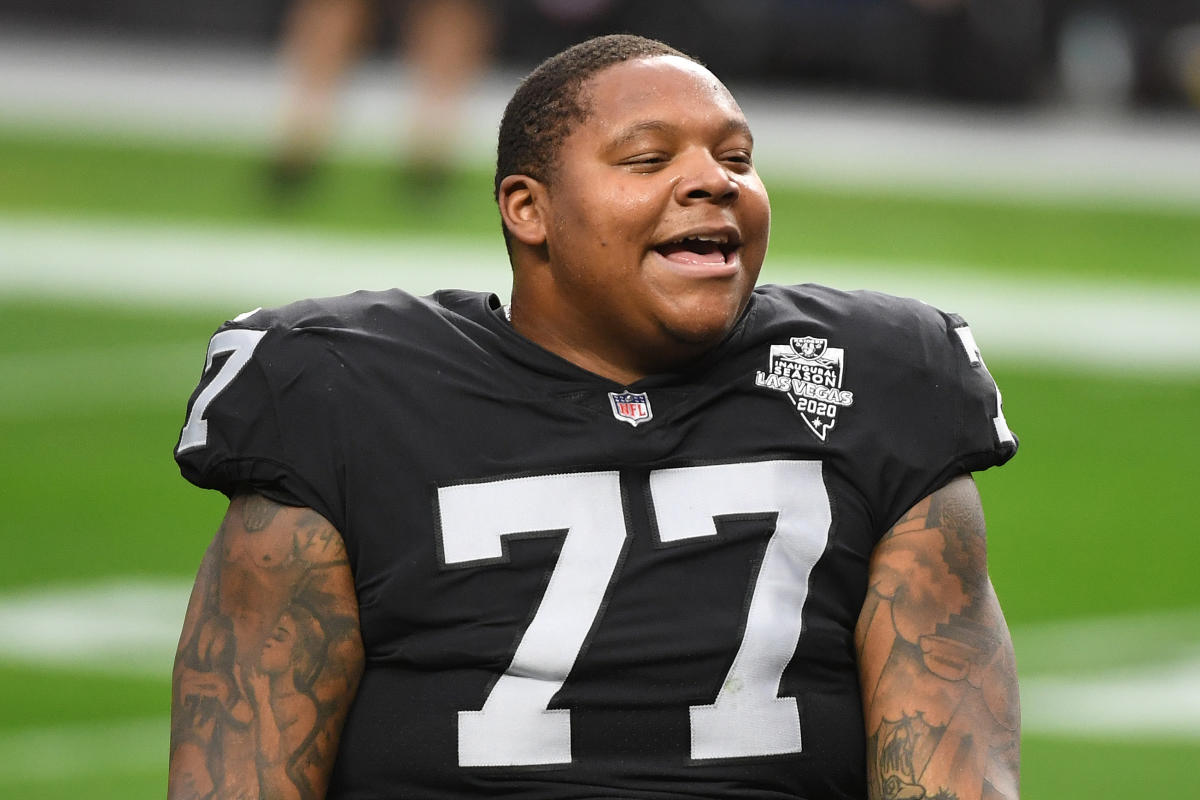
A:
x: 976, y: 359
x: 240, y: 344
x: 515, y: 726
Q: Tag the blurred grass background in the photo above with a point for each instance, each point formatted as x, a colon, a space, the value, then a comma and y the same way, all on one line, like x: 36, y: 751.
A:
x: 1096, y: 518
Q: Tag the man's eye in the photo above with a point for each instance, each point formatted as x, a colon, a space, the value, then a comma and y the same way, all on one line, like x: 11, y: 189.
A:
x: 740, y: 157
x: 648, y: 161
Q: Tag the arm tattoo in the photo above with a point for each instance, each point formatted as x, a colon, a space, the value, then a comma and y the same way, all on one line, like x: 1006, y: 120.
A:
x: 938, y: 673
x: 269, y: 658
x: 257, y: 512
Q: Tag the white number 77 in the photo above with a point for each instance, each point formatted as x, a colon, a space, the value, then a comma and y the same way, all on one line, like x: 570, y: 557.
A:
x: 747, y: 718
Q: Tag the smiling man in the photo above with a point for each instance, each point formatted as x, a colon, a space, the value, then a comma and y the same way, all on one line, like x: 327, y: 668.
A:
x: 650, y: 532
x: 637, y: 244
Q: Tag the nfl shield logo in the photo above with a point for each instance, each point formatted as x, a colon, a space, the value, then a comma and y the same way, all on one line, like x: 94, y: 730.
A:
x: 631, y: 407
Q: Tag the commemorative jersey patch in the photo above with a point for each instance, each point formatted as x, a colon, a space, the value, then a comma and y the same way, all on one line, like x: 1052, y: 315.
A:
x: 809, y: 372
x: 631, y: 407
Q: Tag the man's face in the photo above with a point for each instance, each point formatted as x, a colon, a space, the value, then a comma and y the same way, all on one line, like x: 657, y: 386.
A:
x: 657, y: 222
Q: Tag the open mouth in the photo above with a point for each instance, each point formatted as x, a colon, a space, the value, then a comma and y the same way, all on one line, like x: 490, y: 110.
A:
x: 700, y: 249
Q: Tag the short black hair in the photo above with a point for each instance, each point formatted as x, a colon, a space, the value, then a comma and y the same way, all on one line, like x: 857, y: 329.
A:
x: 547, y: 104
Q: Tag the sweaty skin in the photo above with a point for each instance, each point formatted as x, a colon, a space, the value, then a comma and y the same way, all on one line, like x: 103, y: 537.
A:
x: 936, y: 661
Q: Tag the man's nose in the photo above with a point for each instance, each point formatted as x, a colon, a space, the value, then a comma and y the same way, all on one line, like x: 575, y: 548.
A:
x: 705, y: 179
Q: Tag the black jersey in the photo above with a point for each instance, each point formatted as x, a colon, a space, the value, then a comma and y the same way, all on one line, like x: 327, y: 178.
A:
x: 572, y: 588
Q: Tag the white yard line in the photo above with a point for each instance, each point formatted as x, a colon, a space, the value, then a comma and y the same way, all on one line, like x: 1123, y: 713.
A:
x: 1151, y: 701
x: 1126, y: 328
x: 123, y: 627
x: 224, y: 267
x: 1134, y: 676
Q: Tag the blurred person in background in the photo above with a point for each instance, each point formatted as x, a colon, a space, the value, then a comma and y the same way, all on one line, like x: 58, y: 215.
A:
x: 649, y: 531
x: 446, y: 44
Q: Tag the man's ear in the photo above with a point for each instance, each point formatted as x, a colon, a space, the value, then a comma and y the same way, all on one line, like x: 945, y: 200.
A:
x: 522, y: 209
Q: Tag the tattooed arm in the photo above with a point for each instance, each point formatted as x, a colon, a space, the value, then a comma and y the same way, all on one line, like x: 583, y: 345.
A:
x: 268, y: 661
x: 936, y: 661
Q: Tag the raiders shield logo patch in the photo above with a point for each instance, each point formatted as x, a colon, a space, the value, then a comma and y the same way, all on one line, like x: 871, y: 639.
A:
x: 631, y: 407
x: 809, y: 372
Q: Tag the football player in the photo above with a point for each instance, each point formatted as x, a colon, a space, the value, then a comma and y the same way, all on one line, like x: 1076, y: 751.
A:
x: 649, y: 532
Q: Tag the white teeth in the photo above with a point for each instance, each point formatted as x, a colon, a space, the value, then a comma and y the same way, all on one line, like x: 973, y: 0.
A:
x: 716, y: 239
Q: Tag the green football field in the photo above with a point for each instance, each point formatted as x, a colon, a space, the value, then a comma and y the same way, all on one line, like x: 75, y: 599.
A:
x: 1093, y: 527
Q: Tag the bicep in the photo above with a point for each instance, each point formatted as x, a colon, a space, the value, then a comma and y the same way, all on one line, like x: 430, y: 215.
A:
x: 935, y: 658
x: 269, y: 657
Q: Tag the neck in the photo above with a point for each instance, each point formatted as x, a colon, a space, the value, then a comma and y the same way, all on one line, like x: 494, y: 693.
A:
x: 551, y: 337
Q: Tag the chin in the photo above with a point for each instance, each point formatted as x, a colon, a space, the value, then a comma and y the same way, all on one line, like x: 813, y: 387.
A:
x: 703, y: 325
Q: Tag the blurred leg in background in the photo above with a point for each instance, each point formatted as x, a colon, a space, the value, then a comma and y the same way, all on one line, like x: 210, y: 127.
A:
x: 321, y: 39
x: 446, y: 44
x: 447, y: 47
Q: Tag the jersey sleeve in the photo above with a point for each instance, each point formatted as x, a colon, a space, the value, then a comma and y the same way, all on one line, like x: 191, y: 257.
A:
x: 264, y: 417
x: 947, y: 418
